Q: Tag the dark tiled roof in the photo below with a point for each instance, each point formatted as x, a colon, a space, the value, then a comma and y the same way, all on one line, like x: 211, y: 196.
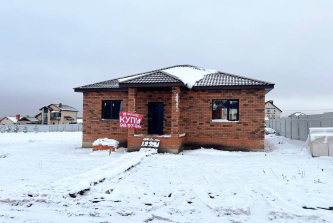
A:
x: 33, y: 119
x: 161, y: 76
x: 104, y: 84
x: 62, y: 108
x: 224, y: 79
x: 155, y: 77
x: 65, y: 108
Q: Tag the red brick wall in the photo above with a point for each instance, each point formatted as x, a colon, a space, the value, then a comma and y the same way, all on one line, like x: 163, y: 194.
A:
x: 196, y: 119
x: 143, y: 97
x: 93, y: 125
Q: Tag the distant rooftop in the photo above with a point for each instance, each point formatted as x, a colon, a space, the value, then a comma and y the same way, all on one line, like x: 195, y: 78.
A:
x: 63, y: 107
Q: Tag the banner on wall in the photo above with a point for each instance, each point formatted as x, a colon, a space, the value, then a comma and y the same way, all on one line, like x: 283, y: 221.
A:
x: 130, y: 120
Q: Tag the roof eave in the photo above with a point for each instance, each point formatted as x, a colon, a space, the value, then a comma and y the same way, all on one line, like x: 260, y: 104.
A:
x: 98, y: 89
x: 151, y: 85
x: 273, y: 105
x: 235, y: 87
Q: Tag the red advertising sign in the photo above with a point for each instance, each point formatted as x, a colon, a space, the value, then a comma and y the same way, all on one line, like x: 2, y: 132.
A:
x: 130, y: 120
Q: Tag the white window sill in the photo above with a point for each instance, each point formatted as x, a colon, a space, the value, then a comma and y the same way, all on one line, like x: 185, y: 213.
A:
x: 153, y: 135
x: 222, y: 120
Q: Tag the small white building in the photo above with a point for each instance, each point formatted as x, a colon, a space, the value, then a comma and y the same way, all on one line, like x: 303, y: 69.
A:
x: 271, y: 111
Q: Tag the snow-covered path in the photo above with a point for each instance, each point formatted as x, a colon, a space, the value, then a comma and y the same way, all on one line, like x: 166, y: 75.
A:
x: 202, y: 185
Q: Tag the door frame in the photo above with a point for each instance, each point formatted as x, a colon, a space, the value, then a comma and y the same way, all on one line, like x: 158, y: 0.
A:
x: 155, y: 119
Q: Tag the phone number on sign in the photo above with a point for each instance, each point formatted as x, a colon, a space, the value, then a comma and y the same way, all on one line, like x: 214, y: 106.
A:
x: 130, y: 126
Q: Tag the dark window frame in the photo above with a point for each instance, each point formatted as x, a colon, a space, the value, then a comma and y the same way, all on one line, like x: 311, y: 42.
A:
x: 227, y: 109
x: 112, y: 115
x: 57, y: 115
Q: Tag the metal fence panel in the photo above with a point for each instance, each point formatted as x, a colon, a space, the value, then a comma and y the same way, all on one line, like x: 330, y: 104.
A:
x: 327, y: 119
x: 283, y: 127
x: 41, y: 128
x: 294, y: 128
x: 288, y: 127
x: 314, y: 121
x: 303, y: 127
x: 298, y: 127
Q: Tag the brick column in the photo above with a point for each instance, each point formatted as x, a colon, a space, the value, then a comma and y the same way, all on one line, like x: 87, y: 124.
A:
x: 175, y: 112
x: 131, y: 108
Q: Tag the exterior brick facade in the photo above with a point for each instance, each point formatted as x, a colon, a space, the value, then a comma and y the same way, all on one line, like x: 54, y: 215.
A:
x: 93, y: 125
x: 185, y: 111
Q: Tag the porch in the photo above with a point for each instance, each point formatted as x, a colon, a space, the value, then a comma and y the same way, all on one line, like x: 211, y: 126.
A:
x: 161, y: 113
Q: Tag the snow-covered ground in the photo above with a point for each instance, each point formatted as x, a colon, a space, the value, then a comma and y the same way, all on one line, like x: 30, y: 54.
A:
x: 43, y: 177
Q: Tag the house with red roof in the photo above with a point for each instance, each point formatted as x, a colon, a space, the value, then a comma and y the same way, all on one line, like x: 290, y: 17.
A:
x: 10, y: 120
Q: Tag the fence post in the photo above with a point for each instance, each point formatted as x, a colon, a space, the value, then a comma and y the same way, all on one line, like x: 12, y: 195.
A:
x: 299, y: 137
x: 307, y: 126
x: 291, y: 128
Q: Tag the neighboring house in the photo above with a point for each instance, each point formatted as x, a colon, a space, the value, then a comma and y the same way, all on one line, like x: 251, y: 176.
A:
x: 56, y: 114
x: 183, y: 106
x: 10, y: 120
x: 296, y: 114
x: 39, y: 116
x: 28, y: 120
x: 271, y: 111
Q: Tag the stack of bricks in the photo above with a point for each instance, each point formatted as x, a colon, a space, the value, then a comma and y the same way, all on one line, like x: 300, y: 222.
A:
x: 105, y: 147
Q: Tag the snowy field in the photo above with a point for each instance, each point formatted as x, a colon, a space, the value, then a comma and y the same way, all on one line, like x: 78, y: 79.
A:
x: 47, y: 177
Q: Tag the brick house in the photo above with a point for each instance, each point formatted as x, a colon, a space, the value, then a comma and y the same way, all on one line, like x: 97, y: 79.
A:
x: 183, y: 106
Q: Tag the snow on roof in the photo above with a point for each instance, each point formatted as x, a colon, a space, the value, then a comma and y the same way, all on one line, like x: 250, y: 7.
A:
x: 13, y: 118
x: 120, y: 80
x: 65, y: 107
x: 297, y: 114
x: 62, y: 108
x: 189, y: 75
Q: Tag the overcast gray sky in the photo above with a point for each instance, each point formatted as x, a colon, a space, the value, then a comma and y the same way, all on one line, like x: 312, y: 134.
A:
x: 49, y: 47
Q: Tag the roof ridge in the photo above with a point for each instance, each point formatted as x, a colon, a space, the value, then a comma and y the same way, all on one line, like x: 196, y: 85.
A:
x: 273, y: 105
x: 244, y: 77
x: 117, y: 79
x: 170, y: 75
x: 160, y: 69
x: 208, y: 78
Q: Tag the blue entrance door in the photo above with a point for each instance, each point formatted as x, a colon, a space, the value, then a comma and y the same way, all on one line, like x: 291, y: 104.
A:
x: 155, y: 118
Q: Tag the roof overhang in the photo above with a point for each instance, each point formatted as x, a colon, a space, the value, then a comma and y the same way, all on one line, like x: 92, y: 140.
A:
x: 98, y: 89
x: 267, y: 88
x: 127, y: 85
